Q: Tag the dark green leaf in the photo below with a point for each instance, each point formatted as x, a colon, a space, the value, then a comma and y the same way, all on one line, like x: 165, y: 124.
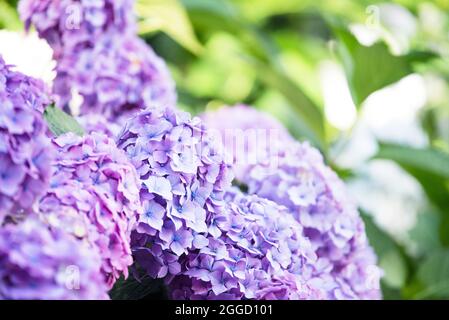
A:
x: 133, y: 289
x: 60, y: 122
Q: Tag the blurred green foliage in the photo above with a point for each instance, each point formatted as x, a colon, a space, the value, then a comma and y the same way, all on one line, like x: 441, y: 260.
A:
x: 268, y: 54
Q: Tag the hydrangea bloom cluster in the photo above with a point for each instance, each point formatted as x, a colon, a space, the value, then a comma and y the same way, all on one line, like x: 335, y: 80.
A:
x: 183, y: 181
x: 98, y: 123
x: 94, y: 195
x: 254, y: 250
x: 37, y: 262
x: 99, y: 56
x: 25, y: 151
x: 317, y: 199
x: 68, y: 24
x: 250, y: 136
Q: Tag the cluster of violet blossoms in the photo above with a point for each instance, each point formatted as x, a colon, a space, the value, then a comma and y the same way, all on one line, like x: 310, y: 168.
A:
x: 183, y: 180
x: 206, y: 239
x: 25, y: 152
x: 294, y: 175
x: 255, y: 250
x: 100, y: 59
x: 94, y: 195
x: 38, y: 262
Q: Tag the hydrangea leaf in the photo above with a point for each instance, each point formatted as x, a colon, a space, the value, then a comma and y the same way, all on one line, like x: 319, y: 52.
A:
x: 392, y: 257
x: 60, y: 122
x: 370, y: 68
x: 433, y: 274
x: 430, y: 159
x: 138, y: 289
x: 9, y: 19
x: 170, y: 17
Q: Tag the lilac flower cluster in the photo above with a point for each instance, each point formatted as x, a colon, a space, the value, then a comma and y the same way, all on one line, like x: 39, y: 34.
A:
x: 250, y: 136
x: 183, y: 181
x: 317, y: 199
x: 98, y: 123
x: 253, y: 250
x: 37, y: 262
x: 68, y: 25
x: 99, y: 56
x: 25, y: 152
x: 94, y: 195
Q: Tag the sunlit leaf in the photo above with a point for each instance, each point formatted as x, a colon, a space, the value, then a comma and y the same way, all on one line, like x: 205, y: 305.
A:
x: 9, y: 18
x: 369, y: 69
x: 168, y: 16
x: 60, y: 122
x: 309, y: 114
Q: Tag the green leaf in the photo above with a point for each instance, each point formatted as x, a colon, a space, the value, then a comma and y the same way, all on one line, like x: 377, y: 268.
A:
x: 430, y: 167
x: 433, y: 274
x: 168, y: 16
x: 425, y: 233
x: 60, y: 122
x: 369, y: 69
x: 310, y: 116
x: 133, y: 289
x: 9, y: 19
x: 262, y: 54
x: 430, y: 160
x: 392, y: 257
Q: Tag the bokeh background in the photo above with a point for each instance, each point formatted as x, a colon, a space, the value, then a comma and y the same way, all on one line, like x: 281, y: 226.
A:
x: 364, y: 81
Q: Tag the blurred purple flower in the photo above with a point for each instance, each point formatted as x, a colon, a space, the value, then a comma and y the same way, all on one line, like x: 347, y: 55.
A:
x: 37, y: 262
x: 96, y: 183
x: 25, y: 151
x: 99, y: 56
x: 297, y: 178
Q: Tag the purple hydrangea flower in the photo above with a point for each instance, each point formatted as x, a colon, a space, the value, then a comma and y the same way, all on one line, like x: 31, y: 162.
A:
x: 98, y: 123
x: 295, y: 176
x: 94, y: 195
x: 100, y: 59
x: 25, y: 151
x: 183, y: 179
x: 68, y: 25
x: 37, y: 262
x: 248, y: 135
x: 262, y: 253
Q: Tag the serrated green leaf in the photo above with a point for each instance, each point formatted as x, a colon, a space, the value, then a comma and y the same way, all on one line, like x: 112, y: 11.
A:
x: 170, y: 17
x: 60, y: 122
